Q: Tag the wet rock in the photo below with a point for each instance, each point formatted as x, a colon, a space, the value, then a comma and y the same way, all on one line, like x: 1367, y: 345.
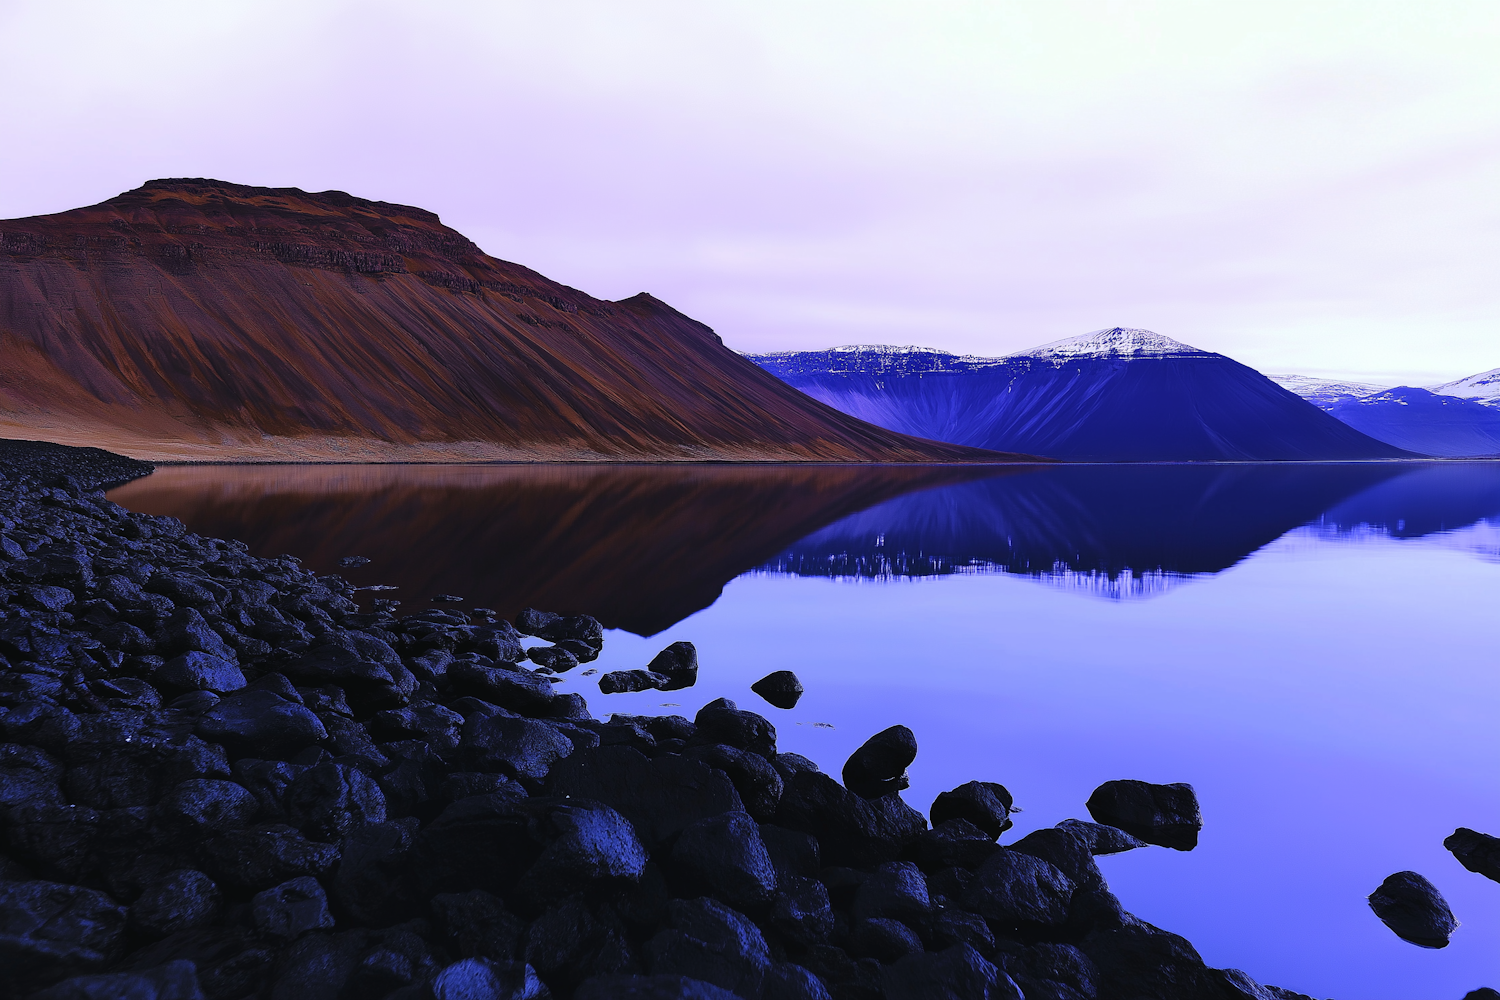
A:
x: 185, y: 899
x: 589, y: 846
x: 723, y: 856
x: 260, y: 723
x: 792, y: 852
x: 515, y: 690
x: 1164, y: 815
x: 1012, y: 889
x: 476, y: 924
x: 850, y: 830
x: 479, y: 842
x: 481, y: 979
x: 956, y: 843
x: 568, y: 944
x: 1413, y: 908
x: 291, y: 909
x: 1050, y: 969
x: 263, y: 856
x: 625, y: 987
x: 173, y: 981
x: 758, y: 783
x: 524, y: 749
x: 712, y: 943
x: 781, y: 688
x: 555, y: 628
x: 1064, y: 851
x: 1483, y: 993
x: 1101, y: 839
x: 985, y: 804
x: 447, y: 599
x: 368, y: 670
x: 1478, y: 852
x: 802, y: 911
x: 883, y: 939
x: 326, y: 800
x: 722, y: 721
x: 678, y: 663
x: 957, y: 971
x: 372, y: 867
x: 205, y: 806
x: 354, y: 562
x: 878, y: 767
x: 186, y: 631
x: 659, y: 796
x: 48, y: 930
x: 620, y: 681
x: 951, y: 926
x: 895, y: 890
x: 196, y: 671
x: 435, y: 725
x: 553, y: 658
x: 1139, y: 960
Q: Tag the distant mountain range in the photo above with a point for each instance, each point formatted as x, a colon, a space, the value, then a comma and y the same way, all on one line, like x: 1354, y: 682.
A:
x: 199, y: 319
x: 1116, y: 395
x: 1456, y: 419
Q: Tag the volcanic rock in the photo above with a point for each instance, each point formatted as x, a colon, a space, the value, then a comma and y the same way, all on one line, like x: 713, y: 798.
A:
x: 781, y: 688
x: 1478, y: 852
x: 1164, y: 815
x: 723, y: 856
x: 1413, y: 908
x: 617, y: 681
x: 678, y: 663
x: 983, y: 803
x: 879, y: 766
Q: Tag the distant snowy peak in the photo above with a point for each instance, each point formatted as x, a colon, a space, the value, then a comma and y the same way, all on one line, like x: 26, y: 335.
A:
x: 1482, y: 388
x: 1116, y: 342
x: 867, y: 359
x: 1326, y: 393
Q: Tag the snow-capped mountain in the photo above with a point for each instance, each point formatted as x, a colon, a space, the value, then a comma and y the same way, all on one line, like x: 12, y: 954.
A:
x: 1482, y: 388
x: 1115, y: 395
x: 1425, y: 422
x: 1325, y: 393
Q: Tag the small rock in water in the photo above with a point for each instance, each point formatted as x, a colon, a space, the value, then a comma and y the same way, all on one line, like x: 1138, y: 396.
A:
x: 678, y: 663
x: 448, y: 598
x: 617, y: 681
x: 879, y: 767
x: 383, y: 604
x: 781, y: 688
x: 552, y: 657
x: 1412, y: 907
x: 589, y: 672
x: 1478, y: 852
x: 1483, y: 993
x: 983, y: 803
x: 354, y: 561
x: 1164, y: 815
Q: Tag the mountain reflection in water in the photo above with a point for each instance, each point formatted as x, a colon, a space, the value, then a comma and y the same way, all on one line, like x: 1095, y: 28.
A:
x: 642, y: 547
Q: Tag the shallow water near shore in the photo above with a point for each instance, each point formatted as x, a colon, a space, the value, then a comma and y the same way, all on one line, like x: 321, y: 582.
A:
x: 1312, y: 647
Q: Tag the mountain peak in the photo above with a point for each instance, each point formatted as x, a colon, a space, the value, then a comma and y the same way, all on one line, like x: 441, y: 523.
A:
x: 1117, y: 341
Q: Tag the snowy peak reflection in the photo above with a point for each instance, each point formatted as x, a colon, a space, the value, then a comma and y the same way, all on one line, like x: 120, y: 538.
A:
x: 1134, y: 531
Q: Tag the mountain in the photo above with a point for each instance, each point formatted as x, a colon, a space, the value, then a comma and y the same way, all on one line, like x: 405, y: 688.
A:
x: 1483, y: 388
x: 203, y: 319
x: 1422, y: 421
x: 1325, y: 393
x: 1117, y: 395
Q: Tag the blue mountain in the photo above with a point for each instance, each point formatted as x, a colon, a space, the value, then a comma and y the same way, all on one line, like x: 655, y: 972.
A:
x: 1117, y: 395
x: 1425, y: 422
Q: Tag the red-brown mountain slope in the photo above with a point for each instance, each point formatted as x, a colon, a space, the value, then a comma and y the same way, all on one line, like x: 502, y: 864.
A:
x: 201, y: 319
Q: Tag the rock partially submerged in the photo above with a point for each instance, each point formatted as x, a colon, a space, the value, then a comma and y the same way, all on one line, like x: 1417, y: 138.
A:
x: 1164, y: 815
x: 1413, y: 908
x: 220, y: 779
x: 1478, y: 852
x: 781, y: 688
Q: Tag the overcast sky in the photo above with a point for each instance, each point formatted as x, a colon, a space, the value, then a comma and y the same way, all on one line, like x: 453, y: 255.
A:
x: 1306, y: 186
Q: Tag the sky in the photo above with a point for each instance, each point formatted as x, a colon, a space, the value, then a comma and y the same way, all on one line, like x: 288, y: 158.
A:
x: 1306, y: 186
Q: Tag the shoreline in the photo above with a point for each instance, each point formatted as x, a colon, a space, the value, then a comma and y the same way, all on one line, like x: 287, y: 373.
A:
x: 224, y: 778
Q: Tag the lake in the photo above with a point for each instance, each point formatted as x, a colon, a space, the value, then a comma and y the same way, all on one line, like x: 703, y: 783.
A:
x: 1313, y: 647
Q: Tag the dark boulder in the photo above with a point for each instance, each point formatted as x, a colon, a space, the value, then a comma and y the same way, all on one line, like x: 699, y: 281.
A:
x: 183, y: 900
x: 756, y: 780
x: 951, y: 926
x: 780, y: 687
x: 186, y: 631
x: 367, y: 668
x: 1101, y: 839
x: 173, y: 981
x: 722, y: 721
x: 624, y: 987
x: 289, y: 910
x: 568, y: 944
x: 622, y: 681
x: 435, y: 725
x: 895, y: 890
x: 511, y: 688
x: 553, y: 628
x: 955, y: 843
x: 552, y: 657
x: 723, y: 856
x: 1478, y: 852
x: 589, y: 847
x: 205, y: 806
x: 956, y: 973
x: 480, y: 842
x: 678, y: 663
x: 792, y: 852
x: 1164, y: 815
x: 1065, y: 852
x: 476, y: 924
x: 48, y: 930
x: 261, y: 724
x: 263, y: 856
x: 1138, y: 960
x: 710, y: 942
x: 195, y: 671
x: 326, y: 800
x: 984, y: 803
x: 883, y: 939
x: 372, y: 866
x: 802, y: 911
x: 524, y: 749
x: 1015, y: 890
x: 1413, y: 908
x: 850, y: 830
x: 878, y: 767
x: 660, y: 796
x: 481, y: 979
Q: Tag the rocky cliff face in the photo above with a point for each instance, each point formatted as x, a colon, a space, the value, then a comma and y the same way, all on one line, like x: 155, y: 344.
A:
x: 202, y: 319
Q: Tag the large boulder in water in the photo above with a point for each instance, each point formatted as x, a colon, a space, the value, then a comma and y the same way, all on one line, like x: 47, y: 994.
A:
x: 1412, y: 907
x: 879, y: 766
x: 1165, y: 815
x: 1478, y: 852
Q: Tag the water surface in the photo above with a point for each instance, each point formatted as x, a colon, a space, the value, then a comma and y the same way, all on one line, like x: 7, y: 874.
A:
x: 1312, y: 647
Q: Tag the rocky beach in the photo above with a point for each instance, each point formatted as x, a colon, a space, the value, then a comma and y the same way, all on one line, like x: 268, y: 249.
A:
x: 221, y: 779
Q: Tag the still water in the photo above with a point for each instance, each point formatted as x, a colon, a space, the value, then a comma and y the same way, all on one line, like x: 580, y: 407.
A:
x: 1313, y: 647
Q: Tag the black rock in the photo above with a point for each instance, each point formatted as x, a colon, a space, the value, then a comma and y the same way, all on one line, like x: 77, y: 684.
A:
x: 555, y: 628
x: 1053, y: 969
x: 291, y: 909
x: 984, y: 803
x: 372, y: 866
x: 955, y: 843
x: 1138, y: 960
x: 512, y: 689
x: 883, y: 939
x: 957, y: 971
x: 850, y: 830
x: 1101, y: 839
x: 793, y: 853
x: 263, y: 856
x: 951, y: 926
x: 183, y: 900
x: 524, y: 749
x: 51, y: 930
x: 625, y: 987
x: 173, y: 981
x: 1012, y: 889
x: 353, y: 562
x: 1478, y: 852
x: 207, y: 806
x: 326, y: 800
x: 659, y: 796
x: 802, y: 911
x: 1483, y: 993
x: 589, y: 847
x: 476, y: 924
x: 482, y: 979
x: 261, y: 724
x: 879, y: 766
x: 1413, y: 908
x: 1066, y: 852
x: 756, y: 780
x: 781, y: 688
x: 568, y: 944
x: 553, y: 658
x: 585, y: 652
x: 895, y: 890
x: 723, y: 856
x: 722, y: 721
x: 1164, y: 815
x: 619, y: 681
x: 480, y: 842
x: 712, y: 943
x: 196, y: 671
x: 448, y: 598
x: 678, y: 663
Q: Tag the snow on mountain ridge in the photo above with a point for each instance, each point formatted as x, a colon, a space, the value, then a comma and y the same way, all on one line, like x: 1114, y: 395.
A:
x: 1116, y: 341
x: 1482, y: 388
x: 1325, y: 393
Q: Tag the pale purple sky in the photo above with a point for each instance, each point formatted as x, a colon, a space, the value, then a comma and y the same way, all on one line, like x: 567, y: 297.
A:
x: 1306, y: 186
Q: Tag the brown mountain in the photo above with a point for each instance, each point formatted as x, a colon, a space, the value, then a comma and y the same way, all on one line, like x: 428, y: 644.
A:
x: 200, y: 319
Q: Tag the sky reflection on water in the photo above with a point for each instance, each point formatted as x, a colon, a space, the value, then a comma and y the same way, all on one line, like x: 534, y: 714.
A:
x: 1316, y: 655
